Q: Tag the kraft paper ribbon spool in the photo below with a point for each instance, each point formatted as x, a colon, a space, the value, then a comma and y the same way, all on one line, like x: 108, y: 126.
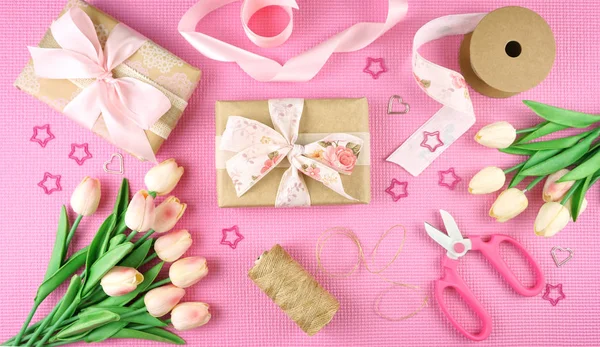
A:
x: 294, y: 290
x: 511, y: 50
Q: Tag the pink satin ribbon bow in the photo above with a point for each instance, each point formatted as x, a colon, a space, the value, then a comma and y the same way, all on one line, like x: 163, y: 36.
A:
x: 300, y: 68
x: 259, y: 149
x: 128, y: 106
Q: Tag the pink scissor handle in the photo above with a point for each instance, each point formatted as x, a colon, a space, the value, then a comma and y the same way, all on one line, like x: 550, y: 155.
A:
x: 453, y: 281
x: 491, y: 250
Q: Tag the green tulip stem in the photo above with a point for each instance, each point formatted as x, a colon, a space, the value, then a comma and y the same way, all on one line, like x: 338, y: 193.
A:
x: 68, y: 312
x: 571, y: 191
x: 527, y: 130
x: 534, y: 128
x: 73, y: 229
x: 61, y: 343
x: 35, y: 335
x: 534, y: 182
x: 516, y: 167
x: 159, y: 284
x: 26, y: 323
x: 149, y: 259
x: 42, y: 326
x: 143, y: 238
x: 131, y: 235
x: 27, y: 331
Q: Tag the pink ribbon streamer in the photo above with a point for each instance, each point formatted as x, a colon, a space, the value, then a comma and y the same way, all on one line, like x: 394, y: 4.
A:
x: 128, y: 106
x: 259, y: 149
x: 443, y: 85
x: 300, y: 68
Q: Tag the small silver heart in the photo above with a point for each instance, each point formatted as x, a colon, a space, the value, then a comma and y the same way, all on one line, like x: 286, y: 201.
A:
x: 391, y: 105
x: 558, y: 262
x: 109, y: 161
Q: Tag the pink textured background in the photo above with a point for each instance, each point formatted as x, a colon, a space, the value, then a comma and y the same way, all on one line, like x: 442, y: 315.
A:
x: 242, y: 315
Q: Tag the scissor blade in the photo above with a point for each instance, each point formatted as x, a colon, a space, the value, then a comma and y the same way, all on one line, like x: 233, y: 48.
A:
x: 451, y: 227
x: 438, y: 236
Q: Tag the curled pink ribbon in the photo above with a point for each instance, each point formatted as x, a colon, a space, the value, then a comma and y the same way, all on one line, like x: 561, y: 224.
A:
x: 128, y: 106
x: 259, y: 149
x: 300, y: 68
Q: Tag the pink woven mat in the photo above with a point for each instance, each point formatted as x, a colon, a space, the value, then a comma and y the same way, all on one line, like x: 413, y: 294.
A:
x: 242, y: 315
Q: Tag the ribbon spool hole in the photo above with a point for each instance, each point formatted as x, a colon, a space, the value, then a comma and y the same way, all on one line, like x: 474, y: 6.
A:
x: 513, y: 49
x: 269, y: 21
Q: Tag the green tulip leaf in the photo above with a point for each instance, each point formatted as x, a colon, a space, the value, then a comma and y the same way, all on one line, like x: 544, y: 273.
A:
x: 516, y: 151
x: 544, y: 130
x: 578, y: 196
x: 96, y: 246
x: 145, y: 319
x: 105, y: 332
x: 70, y: 295
x: 153, y: 334
x: 538, y: 157
x: 121, y: 226
x: 149, y: 277
x: 562, y: 116
x: 128, y: 314
x: 60, y: 246
x: 137, y: 256
x: 88, y: 322
x: 122, y: 198
x: 64, y: 272
x: 103, y: 264
x: 564, y: 142
x: 139, y: 303
x: 116, y: 240
x: 563, y: 159
x: 585, y: 169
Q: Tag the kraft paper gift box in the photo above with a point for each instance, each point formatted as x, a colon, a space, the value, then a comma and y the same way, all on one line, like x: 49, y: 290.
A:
x: 151, y: 63
x: 320, y: 117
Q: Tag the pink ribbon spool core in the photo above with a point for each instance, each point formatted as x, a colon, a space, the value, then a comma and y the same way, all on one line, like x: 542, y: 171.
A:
x: 270, y: 10
x: 269, y: 21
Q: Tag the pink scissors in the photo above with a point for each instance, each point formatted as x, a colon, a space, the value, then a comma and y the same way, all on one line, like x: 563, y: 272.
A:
x: 457, y: 246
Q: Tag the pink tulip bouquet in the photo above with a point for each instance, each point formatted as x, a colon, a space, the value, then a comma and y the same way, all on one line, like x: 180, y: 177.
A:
x: 570, y: 165
x: 109, y: 295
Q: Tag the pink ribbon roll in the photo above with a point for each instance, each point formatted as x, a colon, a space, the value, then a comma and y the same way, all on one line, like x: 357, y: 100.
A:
x: 128, y: 106
x: 300, y: 68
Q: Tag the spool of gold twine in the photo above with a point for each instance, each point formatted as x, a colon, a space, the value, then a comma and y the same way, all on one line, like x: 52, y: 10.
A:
x: 294, y: 290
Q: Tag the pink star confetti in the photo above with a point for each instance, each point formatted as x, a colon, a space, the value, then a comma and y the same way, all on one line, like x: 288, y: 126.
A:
x: 47, y: 177
x: 549, y: 288
x: 443, y: 178
x: 80, y: 159
x: 225, y: 240
x: 379, y: 65
x: 395, y: 195
x: 44, y: 140
x: 427, y: 136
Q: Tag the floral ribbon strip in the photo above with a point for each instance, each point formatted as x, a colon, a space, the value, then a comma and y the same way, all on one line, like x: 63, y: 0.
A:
x: 259, y: 149
x: 447, y: 87
x: 300, y: 68
x: 128, y: 105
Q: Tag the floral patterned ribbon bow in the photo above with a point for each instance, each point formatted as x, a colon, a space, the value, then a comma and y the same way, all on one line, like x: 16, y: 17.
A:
x: 259, y: 149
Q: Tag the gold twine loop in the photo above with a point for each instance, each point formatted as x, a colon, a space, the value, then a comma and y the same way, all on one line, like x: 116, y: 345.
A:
x: 349, y: 234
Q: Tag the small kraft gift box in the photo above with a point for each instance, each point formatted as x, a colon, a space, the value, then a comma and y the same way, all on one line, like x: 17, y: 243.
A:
x: 110, y: 79
x: 293, y: 152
